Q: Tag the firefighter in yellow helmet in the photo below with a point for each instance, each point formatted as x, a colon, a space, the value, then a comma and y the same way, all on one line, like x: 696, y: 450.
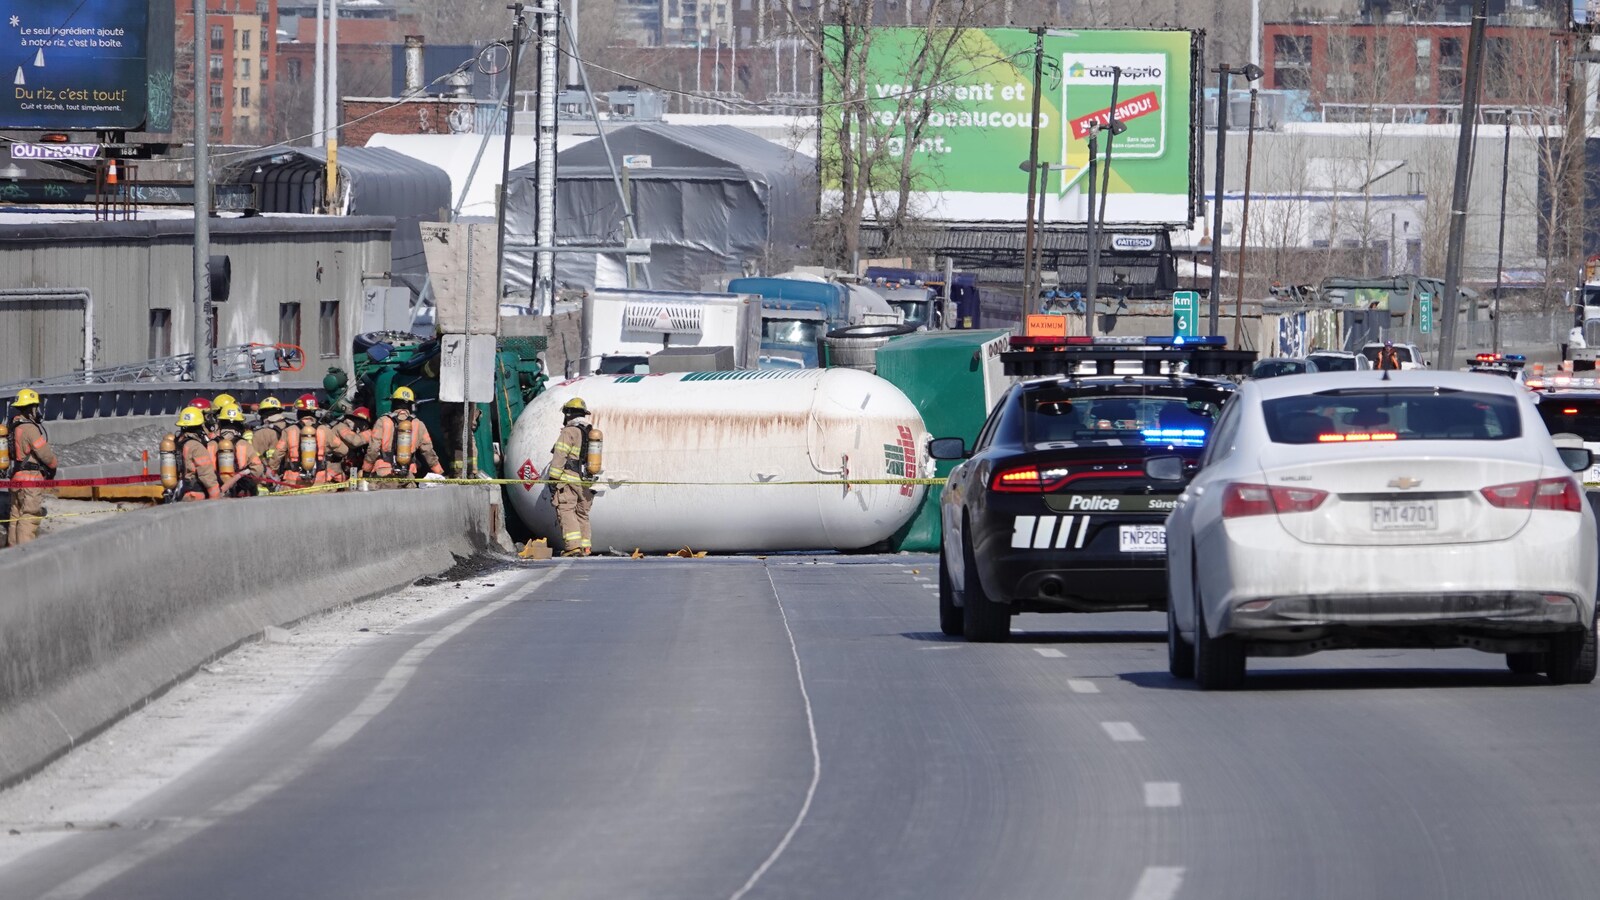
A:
x: 32, y: 459
x: 266, y: 439
x: 400, y: 441
x: 197, y: 465
x: 248, y: 468
x: 571, y: 493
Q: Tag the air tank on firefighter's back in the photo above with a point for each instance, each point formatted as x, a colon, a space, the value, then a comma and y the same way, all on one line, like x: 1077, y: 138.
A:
x: 742, y: 430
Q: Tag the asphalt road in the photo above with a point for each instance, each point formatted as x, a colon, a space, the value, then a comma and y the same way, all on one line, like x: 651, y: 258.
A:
x: 796, y: 728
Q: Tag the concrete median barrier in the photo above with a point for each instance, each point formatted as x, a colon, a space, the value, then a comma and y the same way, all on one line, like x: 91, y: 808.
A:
x: 98, y: 620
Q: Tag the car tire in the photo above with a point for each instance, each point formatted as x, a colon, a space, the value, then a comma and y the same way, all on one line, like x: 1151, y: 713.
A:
x: 1572, y: 658
x: 951, y: 618
x: 983, y: 620
x: 1525, y: 663
x: 1219, y: 662
x: 1180, y: 653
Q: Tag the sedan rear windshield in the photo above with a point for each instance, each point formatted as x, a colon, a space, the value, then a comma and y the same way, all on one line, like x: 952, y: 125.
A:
x: 1579, y: 417
x: 1334, y: 363
x: 1353, y: 416
x: 1061, y: 417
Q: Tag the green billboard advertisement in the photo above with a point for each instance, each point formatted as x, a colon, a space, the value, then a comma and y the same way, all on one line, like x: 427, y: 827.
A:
x: 966, y: 120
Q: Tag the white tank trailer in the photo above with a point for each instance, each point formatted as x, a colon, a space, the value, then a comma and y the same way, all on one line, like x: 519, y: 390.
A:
x: 742, y: 430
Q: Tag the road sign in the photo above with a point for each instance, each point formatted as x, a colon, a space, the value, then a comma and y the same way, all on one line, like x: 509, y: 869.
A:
x: 1185, y: 313
x: 1425, y: 313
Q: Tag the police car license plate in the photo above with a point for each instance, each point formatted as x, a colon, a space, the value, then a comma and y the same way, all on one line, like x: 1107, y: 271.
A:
x: 1405, y: 515
x: 1142, y: 538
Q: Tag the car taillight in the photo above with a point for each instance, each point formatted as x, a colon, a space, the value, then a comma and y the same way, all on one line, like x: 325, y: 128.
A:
x: 1560, y: 494
x: 1021, y: 480
x: 1240, y: 499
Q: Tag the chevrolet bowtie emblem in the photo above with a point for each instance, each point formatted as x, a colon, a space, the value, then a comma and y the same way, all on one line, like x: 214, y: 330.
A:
x: 1405, y: 483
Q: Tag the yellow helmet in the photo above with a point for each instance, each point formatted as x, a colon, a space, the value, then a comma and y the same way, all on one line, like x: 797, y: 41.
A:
x: 231, y: 413
x: 191, y: 417
x: 26, y: 397
x: 405, y: 394
x: 269, y: 405
x: 222, y: 400
x: 575, y: 405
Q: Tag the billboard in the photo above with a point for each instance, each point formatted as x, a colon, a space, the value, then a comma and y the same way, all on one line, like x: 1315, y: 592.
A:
x: 91, y: 65
x: 976, y: 116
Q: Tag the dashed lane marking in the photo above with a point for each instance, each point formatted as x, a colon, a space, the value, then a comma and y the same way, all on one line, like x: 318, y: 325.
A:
x: 1162, y: 794
x: 931, y: 587
x: 1122, y: 731
x: 1050, y: 652
x: 1158, y: 883
x: 1083, y: 686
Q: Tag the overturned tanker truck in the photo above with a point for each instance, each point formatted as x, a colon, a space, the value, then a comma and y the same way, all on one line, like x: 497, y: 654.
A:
x: 709, y: 460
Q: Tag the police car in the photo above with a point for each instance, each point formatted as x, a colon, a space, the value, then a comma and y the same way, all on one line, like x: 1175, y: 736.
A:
x: 1571, y: 406
x: 1511, y: 365
x: 1052, y: 510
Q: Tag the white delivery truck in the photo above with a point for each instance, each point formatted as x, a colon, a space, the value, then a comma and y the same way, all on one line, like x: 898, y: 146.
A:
x: 623, y: 328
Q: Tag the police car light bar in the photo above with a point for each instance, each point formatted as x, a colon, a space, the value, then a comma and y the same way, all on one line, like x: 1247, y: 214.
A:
x: 1121, y: 341
x: 1058, y: 355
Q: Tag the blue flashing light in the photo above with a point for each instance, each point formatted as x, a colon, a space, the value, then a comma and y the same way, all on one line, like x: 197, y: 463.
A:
x: 1183, y: 437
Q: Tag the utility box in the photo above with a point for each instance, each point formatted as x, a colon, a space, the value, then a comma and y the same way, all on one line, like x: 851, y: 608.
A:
x: 692, y: 359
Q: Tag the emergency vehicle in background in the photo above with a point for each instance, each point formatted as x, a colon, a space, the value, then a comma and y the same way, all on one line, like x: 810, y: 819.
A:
x: 1052, y: 509
x: 1570, y: 405
x: 1583, y: 341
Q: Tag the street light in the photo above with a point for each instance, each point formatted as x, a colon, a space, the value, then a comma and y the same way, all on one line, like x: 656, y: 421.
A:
x: 1251, y: 72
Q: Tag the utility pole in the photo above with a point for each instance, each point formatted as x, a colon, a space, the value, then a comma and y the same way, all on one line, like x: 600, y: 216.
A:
x: 1030, y: 295
x: 202, y: 197
x: 332, y: 175
x: 518, y: 23
x: 1458, y: 200
x: 1500, y: 252
x: 1223, y: 74
x: 1111, y: 130
x: 319, y: 86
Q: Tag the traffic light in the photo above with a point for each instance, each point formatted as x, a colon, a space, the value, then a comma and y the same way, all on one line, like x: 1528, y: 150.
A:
x: 220, y: 272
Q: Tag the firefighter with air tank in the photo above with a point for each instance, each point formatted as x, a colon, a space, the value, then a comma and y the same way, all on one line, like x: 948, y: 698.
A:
x: 575, y: 463
x: 26, y: 455
x: 399, y: 442
x: 188, y: 461
x: 305, y: 447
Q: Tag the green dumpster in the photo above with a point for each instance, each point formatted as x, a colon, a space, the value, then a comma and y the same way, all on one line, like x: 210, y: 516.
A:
x: 954, y: 378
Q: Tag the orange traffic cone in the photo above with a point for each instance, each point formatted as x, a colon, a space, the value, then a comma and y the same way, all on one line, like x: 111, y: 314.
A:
x: 111, y: 172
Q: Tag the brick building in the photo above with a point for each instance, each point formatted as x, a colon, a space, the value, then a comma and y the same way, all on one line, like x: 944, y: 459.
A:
x: 241, y: 53
x: 368, y: 116
x: 1348, y: 67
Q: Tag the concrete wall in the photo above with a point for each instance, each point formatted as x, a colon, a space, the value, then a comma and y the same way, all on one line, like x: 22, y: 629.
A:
x: 97, y: 620
x: 133, y: 268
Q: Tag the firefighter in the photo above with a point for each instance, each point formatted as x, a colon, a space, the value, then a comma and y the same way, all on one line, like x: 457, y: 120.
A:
x: 208, y: 413
x: 32, y: 459
x: 305, y: 446
x: 197, y: 467
x: 1388, y: 357
x: 571, y: 495
x: 400, y: 441
x: 267, y: 437
x: 347, y: 443
x: 248, y: 468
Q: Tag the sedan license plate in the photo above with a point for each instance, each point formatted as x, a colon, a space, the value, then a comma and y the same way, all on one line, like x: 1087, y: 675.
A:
x: 1405, y: 515
x: 1142, y: 538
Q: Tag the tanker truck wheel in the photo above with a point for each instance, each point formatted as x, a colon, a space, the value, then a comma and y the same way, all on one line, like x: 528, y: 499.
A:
x: 951, y: 620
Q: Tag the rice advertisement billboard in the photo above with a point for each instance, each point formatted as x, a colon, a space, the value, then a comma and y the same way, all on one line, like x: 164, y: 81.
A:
x: 87, y: 65
x: 968, y: 123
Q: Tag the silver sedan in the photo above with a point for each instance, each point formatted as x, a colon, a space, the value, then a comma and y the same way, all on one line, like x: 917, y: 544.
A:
x: 1424, y: 509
